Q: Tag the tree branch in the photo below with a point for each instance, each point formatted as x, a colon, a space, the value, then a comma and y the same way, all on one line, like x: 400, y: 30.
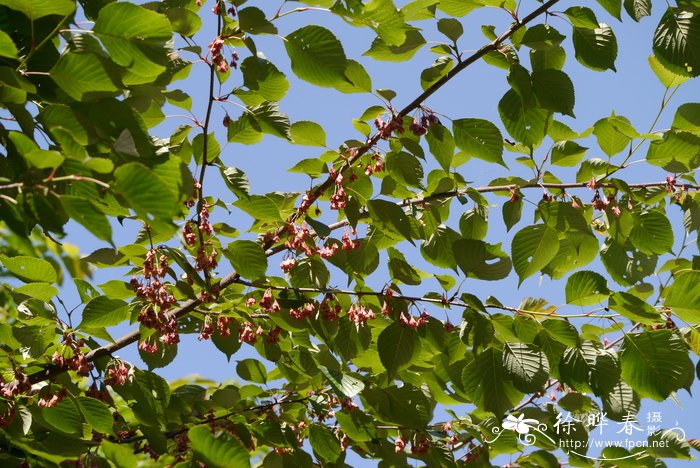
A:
x: 190, y: 305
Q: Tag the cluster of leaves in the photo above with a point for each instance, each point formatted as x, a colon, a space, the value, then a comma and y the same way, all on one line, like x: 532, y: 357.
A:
x: 357, y: 369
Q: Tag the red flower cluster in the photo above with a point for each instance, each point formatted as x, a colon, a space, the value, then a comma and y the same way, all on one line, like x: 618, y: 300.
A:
x: 117, y: 373
x: 269, y: 303
x: 413, y: 322
x: 360, y: 314
x: 308, y: 310
x: 247, y: 333
x: 217, y: 58
x: 330, y: 308
x: 49, y: 399
x: 71, y: 356
x: 19, y: 385
x: 376, y: 164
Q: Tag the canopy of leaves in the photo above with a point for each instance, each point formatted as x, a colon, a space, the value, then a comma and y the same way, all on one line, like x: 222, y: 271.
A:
x: 374, y: 369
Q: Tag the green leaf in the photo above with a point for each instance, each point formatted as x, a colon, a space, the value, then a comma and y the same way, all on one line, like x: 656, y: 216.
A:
x: 316, y: 55
x: 476, y: 259
x: 406, y: 405
x: 526, y: 365
x: 479, y: 138
x: 614, y: 7
x: 357, y: 80
x: 678, y: 151
x: 213, y: 148
x: 104, y: 312
x: 245, y: 130
x: 308, y: 133
x: 619, y: 403
x: 554, y: 91
x: 237, y: 181
x: 586, y: 288
x: 262, y: 78
x: 441, y: 144
x: 30, y: 269
x: 486, y: 381
x: 97, y: 414
x: 511, y: 212
x: 437, y: 249
x: 613, y: 134
x: 667, y: 77
x: 677, y: 41
x: 135, y: 38
x: 247, y: 258
x: 400, y: 270
x: 683, y: 297
x: 343, y: 385
x: 542, y: 37
x: 270, y: 120
x: 652, y: 233
x: 144, y: 191
x: 567, y: 153
x: 533, y: 248
x: 436, y: 71
x: 637, y: 9
x: 83, y: 76
x: 7, y: 46
x: 324, y: 443
x: 252, y: 371
x: 82, y: 211
x: 626, y: 266
x: 221, y: 451
x: 252, y: 20
x: 458, y: 7
x: 397, y: 345
x: 35, y: 9
x: 581, y: 17
x: 655, y: 363
x: 526, y: 125
x: 451, y: 28
x: 519, y: 79
x: 42, y: 291
x: 548, y: 59
x: 405, y: 168
x: 473, y: 224
x: 184, y: 21
x: 596, y: 48
x: 687, y: 118
x: 379, y: 50
x: 65, y: 417
x: 391, y: 217
x: 634, y: 308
